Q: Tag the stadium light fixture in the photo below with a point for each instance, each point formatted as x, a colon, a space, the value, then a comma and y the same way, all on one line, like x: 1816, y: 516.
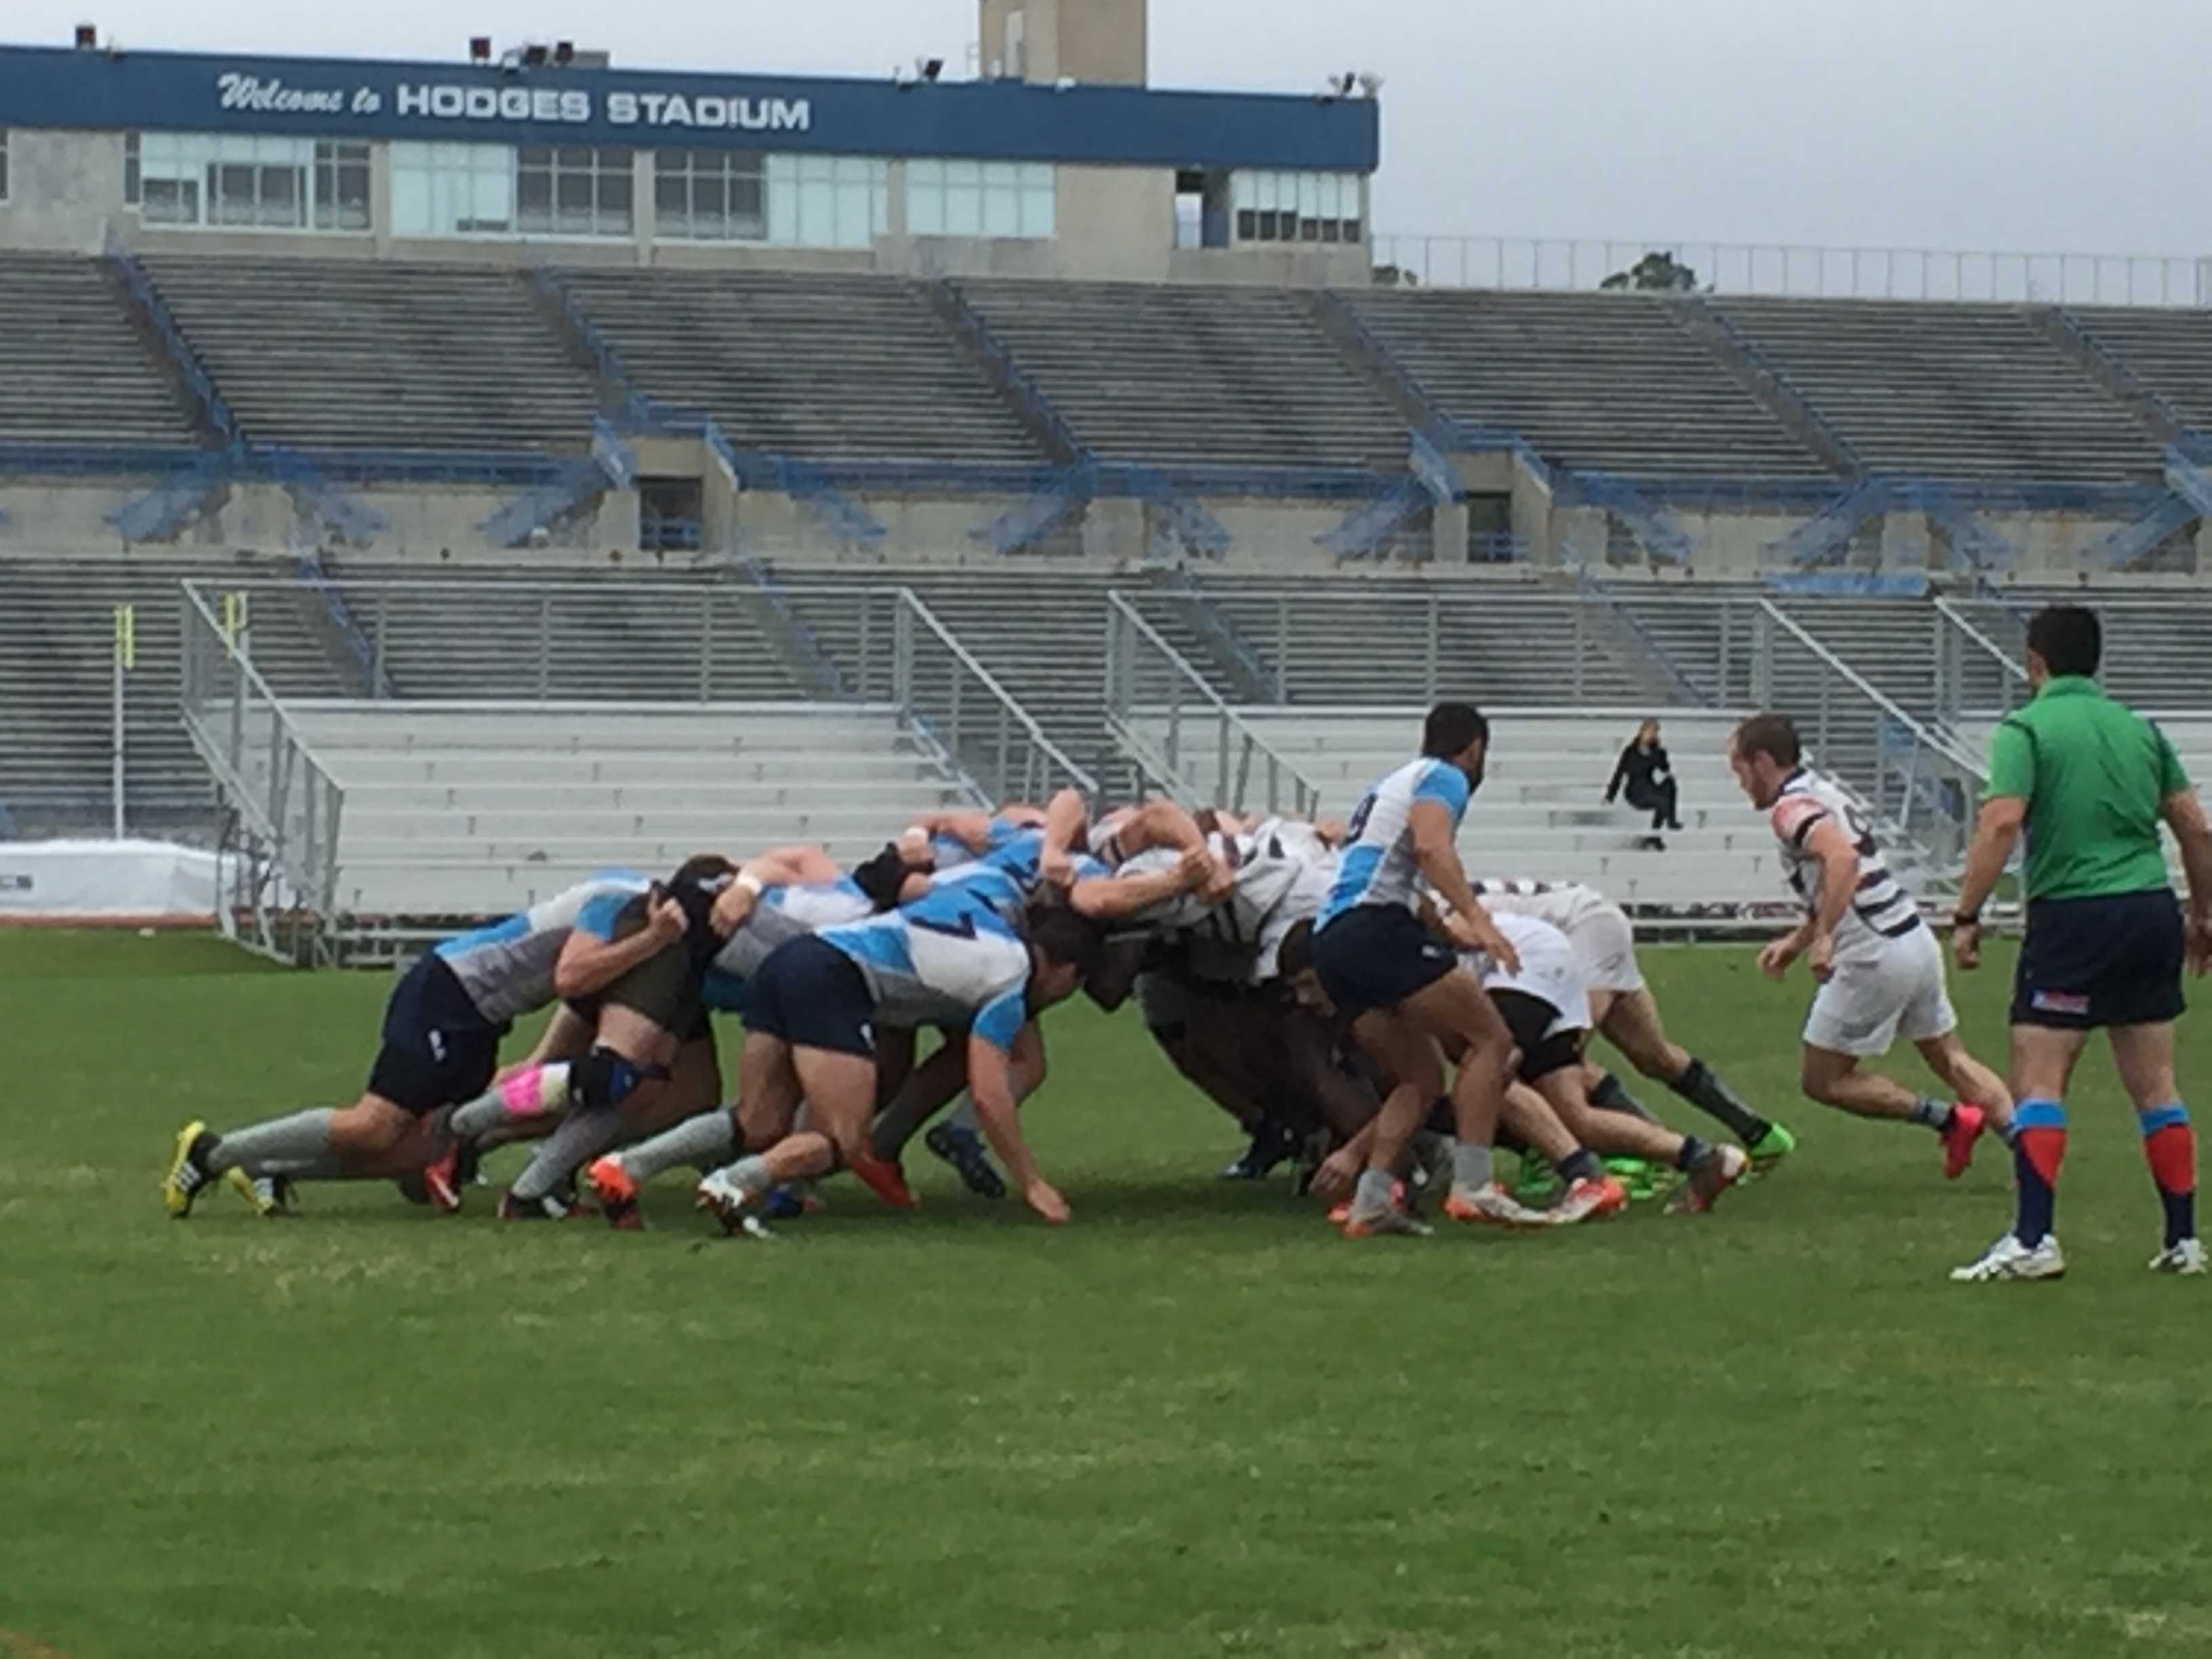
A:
x: 88, y: 37
x: 1371, y: 84
x: 564, y: 53
x: 932, y: 68
x: 533, y: 55
x: 479, y: 48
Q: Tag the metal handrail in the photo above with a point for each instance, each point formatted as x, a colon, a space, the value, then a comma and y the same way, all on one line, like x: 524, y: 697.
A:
x: 1307, y: 794
x: 1936, y: 742
x: 910, y: 604
x: 1958, y: 620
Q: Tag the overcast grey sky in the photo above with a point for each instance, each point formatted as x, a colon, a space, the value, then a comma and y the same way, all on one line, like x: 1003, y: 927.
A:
x: 2031, y: 124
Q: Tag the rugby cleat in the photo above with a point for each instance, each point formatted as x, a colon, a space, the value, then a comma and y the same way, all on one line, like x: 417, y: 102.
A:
x: 269, y: 1195
x: 1492, y: 1207
x: 1771, y: 1148
x: 1273, y: 1143
x: 727, y: 1200
x: 2010, y: 1259
x: 1539, y: 1184
x: 551, y: 1206
x: 2185, y: 1258
x: 1639, y: 1176
x: 885, y: 1178
x: 616, y: 1190
x: 442, y: 1181
x: 791, y: 1201
x: 1959, y: 1136
x: 187, y: 1174
x: 1393, y: 1219
x: 1721, y: 1168
x: 964, y: 1149
x: 1589, y: 1200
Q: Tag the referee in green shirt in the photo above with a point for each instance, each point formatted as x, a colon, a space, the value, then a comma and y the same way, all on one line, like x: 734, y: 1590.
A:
x: 2090, y: 779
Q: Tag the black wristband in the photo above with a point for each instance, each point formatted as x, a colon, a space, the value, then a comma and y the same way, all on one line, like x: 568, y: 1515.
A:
x: 1966, y: 918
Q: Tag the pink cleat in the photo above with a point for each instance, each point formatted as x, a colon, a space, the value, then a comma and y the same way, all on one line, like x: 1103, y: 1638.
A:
x: 1964, y: 1128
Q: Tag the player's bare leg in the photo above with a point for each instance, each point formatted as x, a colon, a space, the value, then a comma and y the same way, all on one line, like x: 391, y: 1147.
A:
x: 1630, y: 1020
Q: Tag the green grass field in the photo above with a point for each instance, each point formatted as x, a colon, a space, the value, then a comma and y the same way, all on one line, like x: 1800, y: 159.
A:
x: 1195, y: 1422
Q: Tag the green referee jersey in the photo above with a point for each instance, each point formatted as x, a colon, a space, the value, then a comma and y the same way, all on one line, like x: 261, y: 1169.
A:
x: 2094, y: 773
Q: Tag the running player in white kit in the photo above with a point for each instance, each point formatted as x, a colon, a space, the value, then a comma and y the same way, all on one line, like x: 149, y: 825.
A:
x: 1880, y: 969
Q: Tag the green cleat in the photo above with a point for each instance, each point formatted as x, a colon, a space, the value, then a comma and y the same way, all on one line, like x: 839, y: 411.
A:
x: 1539, y: 1184
x: 1771, y: 1148
x: 1639, y: 1176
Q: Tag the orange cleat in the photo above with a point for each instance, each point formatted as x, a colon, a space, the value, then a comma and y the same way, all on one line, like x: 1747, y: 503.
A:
x: 1960, y: 1137
x: 1493, y: 1207
x: 616, y: 1191
x: 885, y: 1178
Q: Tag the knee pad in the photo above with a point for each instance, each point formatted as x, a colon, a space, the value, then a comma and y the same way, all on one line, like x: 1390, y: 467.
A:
x: 605, y: 1078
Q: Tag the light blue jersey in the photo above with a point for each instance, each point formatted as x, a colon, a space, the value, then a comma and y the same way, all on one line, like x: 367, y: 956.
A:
x: 1377, y: 866
x: 948, y: 958
x: 951, y: 851
x: 1013, y: 871
x: 507, y: 968
x: 782, y: 914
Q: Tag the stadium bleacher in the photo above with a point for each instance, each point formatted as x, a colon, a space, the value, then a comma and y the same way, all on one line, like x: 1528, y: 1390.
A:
x: 1947, y: 390
x: 57, y: 691
x: 330, y: 353
x: 2169, y: 352
x: 1195, y: 376
x: 1604, y: 382
x: 73, y: 368
x: 814, y: 365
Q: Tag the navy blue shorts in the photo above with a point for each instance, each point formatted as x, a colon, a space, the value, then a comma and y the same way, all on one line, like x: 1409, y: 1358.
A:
x: 438, y: 1050
x: 2112, y: 960
x: 813, y: 995
x: 1375, y: 956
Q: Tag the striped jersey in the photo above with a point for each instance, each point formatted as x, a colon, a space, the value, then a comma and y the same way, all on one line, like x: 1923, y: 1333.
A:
x: 1377, y: 866
x: 507, y: 968
x: 1881, y: 909
x: 950, y: 958
x: 1282, y: 874
x: 781, y: 915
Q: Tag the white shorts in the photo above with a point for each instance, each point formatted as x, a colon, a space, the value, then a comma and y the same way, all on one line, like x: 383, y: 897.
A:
x: 1870, y: 1001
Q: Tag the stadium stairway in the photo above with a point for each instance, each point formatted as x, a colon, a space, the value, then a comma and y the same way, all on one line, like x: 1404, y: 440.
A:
x: 56, y: 656
x: 1042, y: 634
x: 818, y: 366
x: 1599, y: 382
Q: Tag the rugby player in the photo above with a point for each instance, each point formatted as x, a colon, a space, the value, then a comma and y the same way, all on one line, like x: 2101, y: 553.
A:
x: 1880, y: 970
x: 1626, y: 1013
x: 2089, y: 781
x: 1404, y: 989
x: 442, y: 1027
x: 950, y: 959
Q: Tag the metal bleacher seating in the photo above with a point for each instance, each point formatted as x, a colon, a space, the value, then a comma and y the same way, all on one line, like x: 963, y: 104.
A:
x: 452, y: 810
x: 504, y: 632
x: 1388, y: 640
x: 814, y: 365
x: 1604, y: 382
x: 56, y: 693
x: 1947, y: 390
x: 73, y: 370
x: 1194, y: 375
x: 2154, y: 643
x: 335, y: 354
x: 2169, y: 352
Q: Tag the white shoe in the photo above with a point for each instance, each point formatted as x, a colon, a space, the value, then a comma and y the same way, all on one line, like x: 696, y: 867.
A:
x: 1492, y: 1205
x: 728, y: 1200
x: 2010, y: 1259
x: 2186, y: 1258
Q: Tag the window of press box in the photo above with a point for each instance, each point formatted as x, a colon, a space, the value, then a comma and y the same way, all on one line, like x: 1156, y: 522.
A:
x: 224, y: 181
x: 573, y: 189
x: 4, y: 164
x: 980, y: 198
x: 710, y: 195
x: 1297, y: 207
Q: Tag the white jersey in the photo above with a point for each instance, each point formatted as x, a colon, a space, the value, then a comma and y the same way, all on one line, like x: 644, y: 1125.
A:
x: 1377, y: 866
x: 1565, y: 904
x: 1550, y: 970
x: 1881, y: 911
x: 1279, y: 877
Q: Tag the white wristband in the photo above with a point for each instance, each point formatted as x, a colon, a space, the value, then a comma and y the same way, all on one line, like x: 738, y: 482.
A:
x: 751, y: 883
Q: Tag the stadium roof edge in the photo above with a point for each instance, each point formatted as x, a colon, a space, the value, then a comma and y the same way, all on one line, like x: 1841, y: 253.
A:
x: 394, y: 98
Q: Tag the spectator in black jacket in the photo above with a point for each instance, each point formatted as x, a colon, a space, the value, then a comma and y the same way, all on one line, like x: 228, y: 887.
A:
x: 1649, y: 779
